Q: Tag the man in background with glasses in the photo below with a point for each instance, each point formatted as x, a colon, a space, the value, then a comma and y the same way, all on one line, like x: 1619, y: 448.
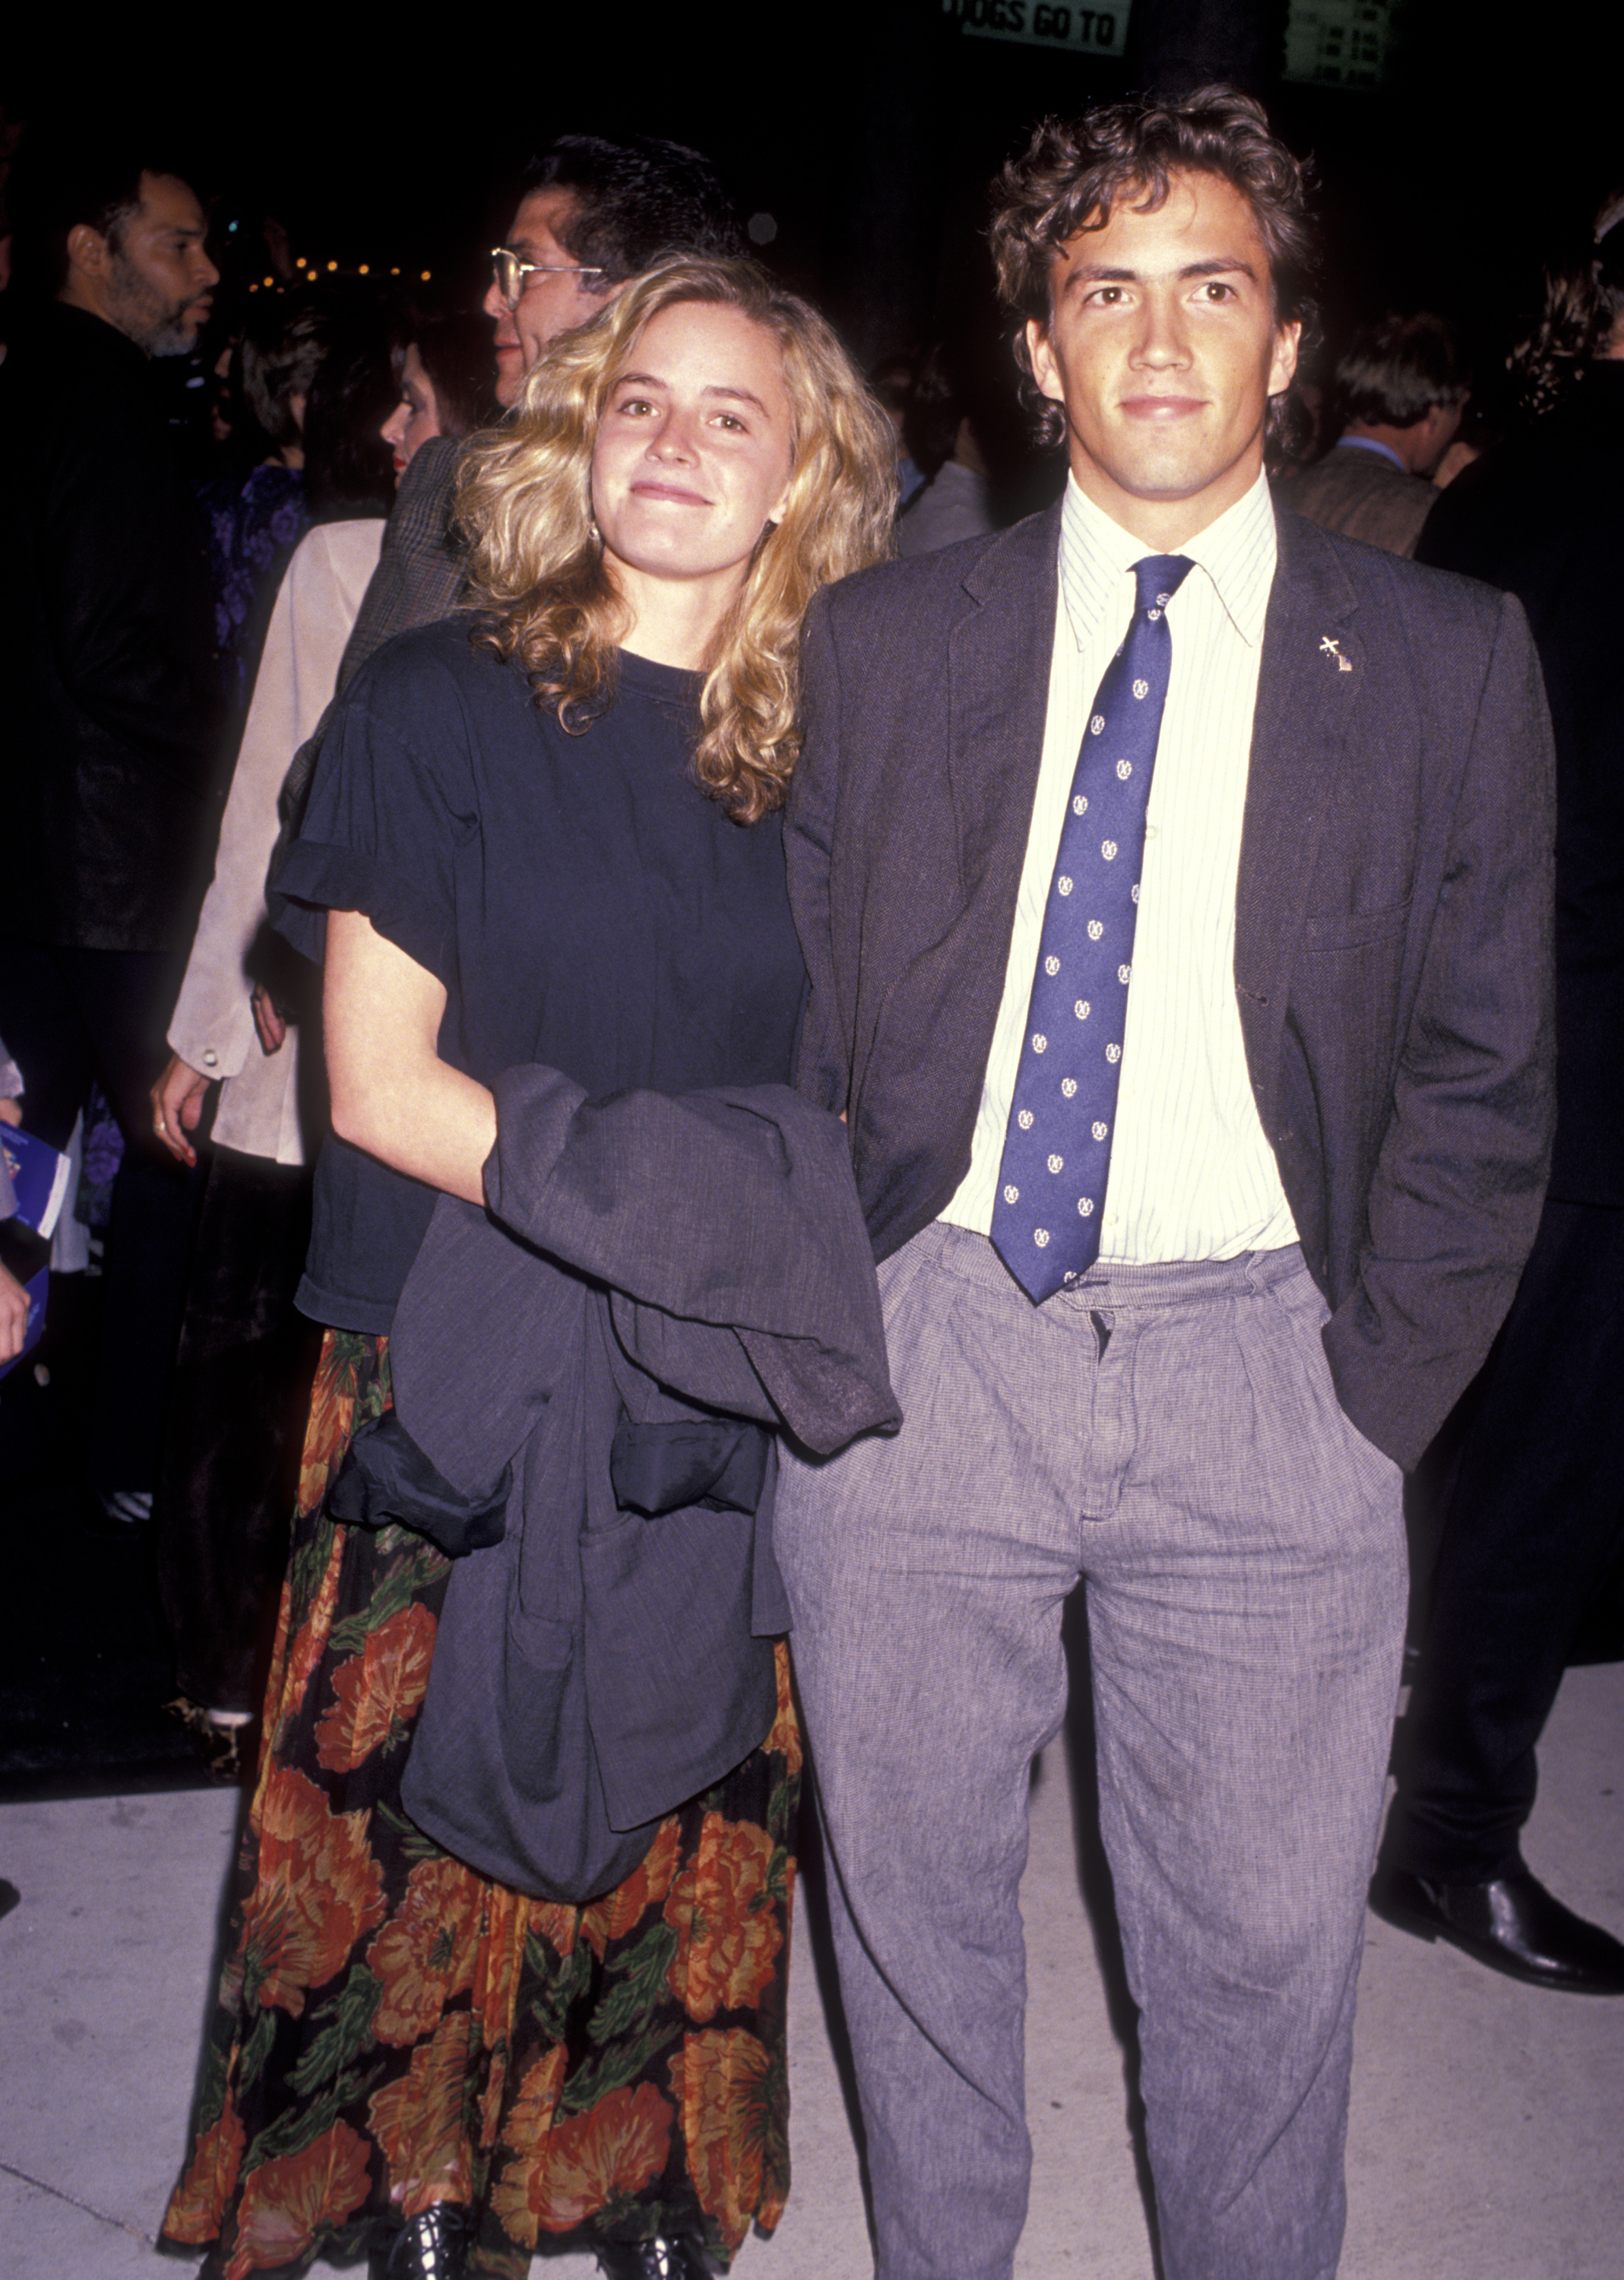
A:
x: 592, y: 215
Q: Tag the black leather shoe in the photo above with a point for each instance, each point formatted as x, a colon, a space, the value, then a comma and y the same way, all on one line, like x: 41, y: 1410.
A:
x: 431, y: 2246
x: 1514, y: 1925
x: 679, y: 2259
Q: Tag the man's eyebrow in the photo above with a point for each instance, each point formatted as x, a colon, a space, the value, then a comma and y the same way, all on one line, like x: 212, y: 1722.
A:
x: 1105, y: 273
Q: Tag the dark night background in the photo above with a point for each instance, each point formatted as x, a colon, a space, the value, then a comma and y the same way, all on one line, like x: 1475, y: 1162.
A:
x: 867, y: 133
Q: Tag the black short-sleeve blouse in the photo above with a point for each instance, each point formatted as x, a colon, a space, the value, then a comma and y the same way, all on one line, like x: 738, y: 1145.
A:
x: 583, y: 902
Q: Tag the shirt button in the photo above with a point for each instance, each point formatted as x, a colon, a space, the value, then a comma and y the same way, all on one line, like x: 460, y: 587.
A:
x: 1149, y: 831
x: 210, y: 1057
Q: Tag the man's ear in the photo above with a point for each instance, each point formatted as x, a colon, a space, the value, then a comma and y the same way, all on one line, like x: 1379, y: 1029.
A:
x: 1282, y: 364
x: 88, y: 250
x: 1040, y: 355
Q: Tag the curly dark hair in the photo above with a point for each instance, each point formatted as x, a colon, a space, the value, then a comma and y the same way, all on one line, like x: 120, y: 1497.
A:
x: 1073, y: 170
x: 281, y: 355
x: 1583, y: 303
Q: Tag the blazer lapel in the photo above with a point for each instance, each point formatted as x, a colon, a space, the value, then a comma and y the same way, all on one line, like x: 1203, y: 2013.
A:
x: 1312, y: 670
x: 918, y: 1083
x: 999, y: 661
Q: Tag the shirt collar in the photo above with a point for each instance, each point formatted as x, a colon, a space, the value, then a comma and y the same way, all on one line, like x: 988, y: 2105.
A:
x: 1237, y: 553
x: 1370, y: 444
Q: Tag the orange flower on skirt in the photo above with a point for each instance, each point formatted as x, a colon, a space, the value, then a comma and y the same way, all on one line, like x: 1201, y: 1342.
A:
x: 309, y: 1644
x: 737, y: 2155
x: 617, y: 2146
x: 421, y: 2121
x: 327, y: 1436
x: 527, y: 2127
x: 785, y: 1737
x: 613, y: 1917
x: 723, y: 1913
x: 425, y: 1955
x: 377, y: 1691
x: 318, y: 1890
x: 286, y: 2202
x: 556, y: 1921
x: 195, y: 2211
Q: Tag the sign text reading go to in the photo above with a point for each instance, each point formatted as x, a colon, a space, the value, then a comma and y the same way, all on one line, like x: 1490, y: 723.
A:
x: 1091, y: 31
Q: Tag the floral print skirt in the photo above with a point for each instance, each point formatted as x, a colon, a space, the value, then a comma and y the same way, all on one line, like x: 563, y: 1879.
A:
x: 393, y: 2029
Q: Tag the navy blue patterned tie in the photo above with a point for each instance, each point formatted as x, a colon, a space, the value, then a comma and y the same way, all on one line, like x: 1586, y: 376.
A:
x: 1056, y: 1151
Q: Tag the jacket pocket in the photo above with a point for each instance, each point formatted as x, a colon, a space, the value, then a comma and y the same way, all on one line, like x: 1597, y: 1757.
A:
x: 1355, y: 929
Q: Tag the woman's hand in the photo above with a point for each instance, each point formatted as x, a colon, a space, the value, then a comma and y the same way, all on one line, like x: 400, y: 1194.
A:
x: 269, y: 1020
x: 392, y: 1094
x: 10, y: 1111
x: 177, y: 1103
x: 13, y: 1316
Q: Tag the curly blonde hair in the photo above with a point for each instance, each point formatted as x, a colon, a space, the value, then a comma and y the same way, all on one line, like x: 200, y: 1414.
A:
x: 524, y: 502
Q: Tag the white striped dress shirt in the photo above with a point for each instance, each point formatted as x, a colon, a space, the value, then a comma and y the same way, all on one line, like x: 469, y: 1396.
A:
x: 1192, y: 1174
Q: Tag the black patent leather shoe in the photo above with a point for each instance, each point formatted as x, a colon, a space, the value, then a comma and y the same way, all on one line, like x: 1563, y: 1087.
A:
x: 678, y: 2259
x: 431, y: 2246
x: 1514, y: 1925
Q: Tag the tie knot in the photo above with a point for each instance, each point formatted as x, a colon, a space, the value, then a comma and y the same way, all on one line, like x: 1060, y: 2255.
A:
x: 1157, y: 578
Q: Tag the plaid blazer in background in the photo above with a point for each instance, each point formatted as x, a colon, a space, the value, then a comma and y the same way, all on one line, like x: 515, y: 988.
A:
x: 420, y: 573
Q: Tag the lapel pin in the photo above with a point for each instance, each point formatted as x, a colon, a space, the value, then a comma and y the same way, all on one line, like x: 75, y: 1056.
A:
x: 1333, y: 649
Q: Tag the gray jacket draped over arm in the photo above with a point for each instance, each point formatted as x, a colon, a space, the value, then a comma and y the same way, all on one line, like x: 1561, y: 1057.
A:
x: 689, y: 1273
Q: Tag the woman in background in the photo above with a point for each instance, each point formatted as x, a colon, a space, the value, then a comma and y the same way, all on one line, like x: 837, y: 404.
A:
x: 242, y: 1372
x: 446, y: 386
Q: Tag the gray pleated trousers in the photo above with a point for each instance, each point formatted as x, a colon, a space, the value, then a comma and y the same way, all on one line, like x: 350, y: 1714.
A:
x: 1170, y: 1433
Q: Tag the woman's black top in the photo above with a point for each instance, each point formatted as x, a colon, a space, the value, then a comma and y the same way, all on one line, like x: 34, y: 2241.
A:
x: 583, y: 902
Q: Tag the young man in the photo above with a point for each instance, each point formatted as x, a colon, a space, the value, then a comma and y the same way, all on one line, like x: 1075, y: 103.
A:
x: 1178, y: 1275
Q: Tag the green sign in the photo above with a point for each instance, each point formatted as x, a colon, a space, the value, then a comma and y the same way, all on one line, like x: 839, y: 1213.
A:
x: 1043, y: 24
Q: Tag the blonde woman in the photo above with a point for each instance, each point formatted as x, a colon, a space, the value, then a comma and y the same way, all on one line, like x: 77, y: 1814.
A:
x: 554, y: 839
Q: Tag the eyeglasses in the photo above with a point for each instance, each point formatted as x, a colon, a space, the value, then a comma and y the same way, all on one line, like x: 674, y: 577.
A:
x: 510, y: 273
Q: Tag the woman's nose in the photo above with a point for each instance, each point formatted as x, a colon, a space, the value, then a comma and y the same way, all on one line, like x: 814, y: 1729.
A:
x: 675, y: 439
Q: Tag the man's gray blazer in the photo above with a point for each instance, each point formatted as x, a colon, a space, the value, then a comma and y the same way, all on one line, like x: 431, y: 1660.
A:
x: 1393, y: 919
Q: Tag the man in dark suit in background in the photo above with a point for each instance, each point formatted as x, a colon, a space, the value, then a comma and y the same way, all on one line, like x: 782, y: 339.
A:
x: 1177, y: 1278
x: 109, y: 804
x: 1400, y: 392
x: 1533, y: 1521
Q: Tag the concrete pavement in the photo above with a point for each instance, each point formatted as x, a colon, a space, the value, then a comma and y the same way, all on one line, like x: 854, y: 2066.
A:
x: 1487, y: 2117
